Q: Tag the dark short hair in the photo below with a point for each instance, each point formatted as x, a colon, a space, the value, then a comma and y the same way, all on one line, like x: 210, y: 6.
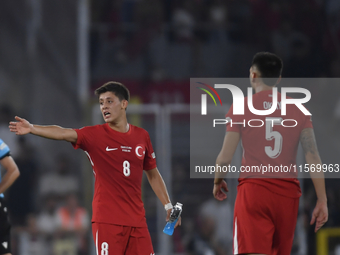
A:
x: 117, y: 88
x: 269, y: 65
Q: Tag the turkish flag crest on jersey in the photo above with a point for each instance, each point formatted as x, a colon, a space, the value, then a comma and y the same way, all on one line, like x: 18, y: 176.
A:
x: 140, y: 151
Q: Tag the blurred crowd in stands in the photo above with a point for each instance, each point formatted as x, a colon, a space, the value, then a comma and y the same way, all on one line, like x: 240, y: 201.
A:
x: 305, y: 34
x: 150, y: 44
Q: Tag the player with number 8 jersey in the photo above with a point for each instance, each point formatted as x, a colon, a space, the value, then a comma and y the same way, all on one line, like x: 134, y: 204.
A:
x: 118, y: 160
x: 119, y: 153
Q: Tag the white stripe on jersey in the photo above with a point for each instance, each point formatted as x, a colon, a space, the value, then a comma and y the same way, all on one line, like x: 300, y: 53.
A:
x: 97, y: 242
x: 235, y: 238
x: 88, y: 155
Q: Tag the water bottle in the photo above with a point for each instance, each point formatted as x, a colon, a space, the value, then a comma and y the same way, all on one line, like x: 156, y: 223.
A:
x: 174, y: 215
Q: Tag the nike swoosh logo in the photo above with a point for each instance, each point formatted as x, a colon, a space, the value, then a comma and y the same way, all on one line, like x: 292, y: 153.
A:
x: 111, y: 149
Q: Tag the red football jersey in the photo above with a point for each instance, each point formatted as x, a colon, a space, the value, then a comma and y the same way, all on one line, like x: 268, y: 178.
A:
x: 271, y: 143
x: 118, y: 160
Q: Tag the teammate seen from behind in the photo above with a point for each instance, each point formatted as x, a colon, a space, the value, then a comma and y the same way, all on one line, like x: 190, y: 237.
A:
x: 266, y: 206
x: 118, y: 153
x: 12, y: 173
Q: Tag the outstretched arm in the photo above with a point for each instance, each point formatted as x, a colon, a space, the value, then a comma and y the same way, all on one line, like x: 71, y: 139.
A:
x: 23, y: 127
x: 320, y: 212
x: 224, y: 158
x: 158, y: 186
x: 12, y: 173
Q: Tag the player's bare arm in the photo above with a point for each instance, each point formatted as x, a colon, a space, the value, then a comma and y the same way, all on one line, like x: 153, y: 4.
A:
x: 23, y: 127
x: 224, y: 158
x: 158, y: 186
x: 320, y: 212
x: 12, y: 173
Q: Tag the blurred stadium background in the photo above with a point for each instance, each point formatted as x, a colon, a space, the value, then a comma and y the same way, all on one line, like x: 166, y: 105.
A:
x: 53, y: 54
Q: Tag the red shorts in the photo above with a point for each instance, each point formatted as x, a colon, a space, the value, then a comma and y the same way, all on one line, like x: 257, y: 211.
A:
x: 121, y: 240
x: 264, y: 222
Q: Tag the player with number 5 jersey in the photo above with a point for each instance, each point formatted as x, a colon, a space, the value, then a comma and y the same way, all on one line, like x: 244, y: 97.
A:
x: 270, y: 143
x: 266, y: 206
x: 119, y: 154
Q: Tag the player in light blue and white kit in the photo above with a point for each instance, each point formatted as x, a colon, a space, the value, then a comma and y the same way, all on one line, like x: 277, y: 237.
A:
x: 12, y: 173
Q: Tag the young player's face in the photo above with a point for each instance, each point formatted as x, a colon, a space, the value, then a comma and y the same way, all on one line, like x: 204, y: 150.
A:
x: 111, y: 107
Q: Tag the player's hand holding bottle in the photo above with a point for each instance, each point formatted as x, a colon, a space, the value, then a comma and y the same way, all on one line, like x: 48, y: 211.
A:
x: 173, y: 219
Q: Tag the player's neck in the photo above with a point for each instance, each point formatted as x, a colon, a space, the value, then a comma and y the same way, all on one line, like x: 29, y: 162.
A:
x: 120, y: 126
x: 262, y: 87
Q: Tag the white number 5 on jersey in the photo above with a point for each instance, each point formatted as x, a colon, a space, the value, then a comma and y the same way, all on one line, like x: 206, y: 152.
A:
x: 270, y: 135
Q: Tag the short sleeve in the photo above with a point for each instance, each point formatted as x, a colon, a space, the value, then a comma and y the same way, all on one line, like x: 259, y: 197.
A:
x: 4, y: 149
x: 232, y: 119
x: 150, y: 157
x: 307, y: 122
x: 83, y: 139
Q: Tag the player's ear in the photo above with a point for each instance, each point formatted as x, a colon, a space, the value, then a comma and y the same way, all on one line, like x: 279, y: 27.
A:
x: 254, y: 76
x: 124, y: 103
x: 278, y: 80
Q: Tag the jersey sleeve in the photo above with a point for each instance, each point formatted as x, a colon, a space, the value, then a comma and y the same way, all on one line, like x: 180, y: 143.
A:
x: 233, y: 119
x: 307, y: 122
x: 4, y: 149
x: 150, y: 157
x: 84, y: 138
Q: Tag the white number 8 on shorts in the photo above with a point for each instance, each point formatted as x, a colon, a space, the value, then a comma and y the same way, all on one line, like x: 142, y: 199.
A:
x: 104, y: 248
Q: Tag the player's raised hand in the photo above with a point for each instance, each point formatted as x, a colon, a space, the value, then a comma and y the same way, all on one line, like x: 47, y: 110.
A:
x: 20, y: 127
x: 319, y: 215
x: 218, y: 190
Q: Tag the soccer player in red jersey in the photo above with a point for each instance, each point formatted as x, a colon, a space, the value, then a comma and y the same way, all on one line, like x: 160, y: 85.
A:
x: 266, y: 208
x: 118, y: 153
